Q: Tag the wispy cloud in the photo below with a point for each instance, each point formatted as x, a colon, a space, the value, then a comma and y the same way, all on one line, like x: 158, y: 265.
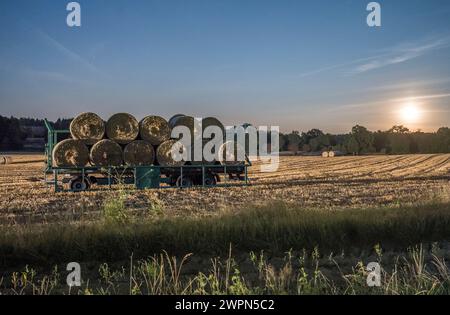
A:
x: 421, y: 97
x: 67, y: 52
x: 401, y: 53
x: 386, y: 57
x: 387, y: 102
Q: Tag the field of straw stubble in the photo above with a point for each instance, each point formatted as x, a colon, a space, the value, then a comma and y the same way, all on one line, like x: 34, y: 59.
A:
x: 311, y: 182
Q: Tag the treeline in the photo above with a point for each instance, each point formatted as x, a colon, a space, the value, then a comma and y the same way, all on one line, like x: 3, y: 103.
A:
x: 15, y: 131
x: 397, y: 140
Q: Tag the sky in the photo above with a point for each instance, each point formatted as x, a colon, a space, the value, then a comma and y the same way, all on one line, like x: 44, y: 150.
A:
x: 288, y: 63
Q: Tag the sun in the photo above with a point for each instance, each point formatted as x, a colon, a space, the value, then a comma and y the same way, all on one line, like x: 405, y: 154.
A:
x: 410, y: 113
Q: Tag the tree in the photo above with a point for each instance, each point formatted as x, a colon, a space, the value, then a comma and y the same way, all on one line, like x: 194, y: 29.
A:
x: 362, y: 140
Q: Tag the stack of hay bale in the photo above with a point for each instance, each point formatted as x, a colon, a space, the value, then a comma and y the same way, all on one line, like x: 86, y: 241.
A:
x: 122, y: 140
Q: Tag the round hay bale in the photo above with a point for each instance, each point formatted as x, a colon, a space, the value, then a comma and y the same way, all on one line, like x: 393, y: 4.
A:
x: 165, y: 151
x: 227, y: 157
x: 88, y: 127
x: 70, y: 153
x: 139, y: 153
x: 154, y: 129
x: 331, y: 154
x: 212, y: 121
x: 186, y: 121
x: 325, y: 154
x: 204, y: 161
x: 173, y: 119
x: 122, y: 128
x: 106, y: 153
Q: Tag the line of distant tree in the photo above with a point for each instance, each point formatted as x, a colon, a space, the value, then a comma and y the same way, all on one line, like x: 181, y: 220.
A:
x: 397, y: 140
x: 15, y: 131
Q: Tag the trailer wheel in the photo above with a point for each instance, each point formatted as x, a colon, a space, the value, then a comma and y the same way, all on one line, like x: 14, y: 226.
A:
x: 185, y: 182
x: 210, y: 180
x: 77, y: 184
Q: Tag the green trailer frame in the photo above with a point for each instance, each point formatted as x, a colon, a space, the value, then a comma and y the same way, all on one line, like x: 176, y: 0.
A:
x: 142, y: 177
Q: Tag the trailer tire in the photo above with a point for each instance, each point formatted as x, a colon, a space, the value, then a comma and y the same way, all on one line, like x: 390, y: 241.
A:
x: 76, y: 184
x: 186, y: 182
x: 210, y: 180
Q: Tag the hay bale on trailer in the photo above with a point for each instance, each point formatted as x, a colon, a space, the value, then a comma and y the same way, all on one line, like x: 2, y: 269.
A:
x: 183, y: 120
x: 122, y: 128
x: 331, y: 154
x: 325, y: 154
x: 231, y: 153
x: 167, y: 153
x: 106, y: 153
x: 139, y: 153
x: 212, y: 121
x: 154, y: 129
x: 173, y: 119
x: 88, y: 127
x: 70, y: 153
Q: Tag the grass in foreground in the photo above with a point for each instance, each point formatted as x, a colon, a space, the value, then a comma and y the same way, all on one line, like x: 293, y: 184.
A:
x: 276, y: 228
x: 418, y: 272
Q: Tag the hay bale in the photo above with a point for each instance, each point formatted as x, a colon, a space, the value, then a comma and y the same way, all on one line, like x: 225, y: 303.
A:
x: 212, y: 121
x: 165, y: 150
x: 154, y: 129
x: 227, y: 157
x: 88, y: 127
x: 106, y: 153
x: 204, y: 161
x: 186, y: 121
x: 122, y: 128
x: 331, y: 154
x: 139, y: 153
x: 70, y: 153
x: 173, y: 119
x: 325, y: 154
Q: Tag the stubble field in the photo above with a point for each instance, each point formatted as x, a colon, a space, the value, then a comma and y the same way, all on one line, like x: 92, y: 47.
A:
x: 310, y: 182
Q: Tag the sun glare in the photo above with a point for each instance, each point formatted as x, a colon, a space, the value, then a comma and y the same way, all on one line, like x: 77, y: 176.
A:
x: 410, y: 113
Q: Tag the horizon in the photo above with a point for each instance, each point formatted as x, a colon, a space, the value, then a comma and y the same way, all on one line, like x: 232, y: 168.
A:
x: 299, y: 65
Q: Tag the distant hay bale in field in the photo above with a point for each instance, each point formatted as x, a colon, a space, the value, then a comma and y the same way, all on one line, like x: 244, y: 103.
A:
x: 167, y: 153
x: 212, y: 121
x: 88, y: 127
x: 331, y: 154
x: 70, y: 153
x: 122, y: 128
x: 139, y: 153
x: 154, y: 129
x: 325, y: 154
x: 106, y: 153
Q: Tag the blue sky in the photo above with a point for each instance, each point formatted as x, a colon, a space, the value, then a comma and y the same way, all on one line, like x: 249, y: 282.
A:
x: 296, y: 64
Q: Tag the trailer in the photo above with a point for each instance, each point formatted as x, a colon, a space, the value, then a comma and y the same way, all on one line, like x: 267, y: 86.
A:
x: 142, y: 177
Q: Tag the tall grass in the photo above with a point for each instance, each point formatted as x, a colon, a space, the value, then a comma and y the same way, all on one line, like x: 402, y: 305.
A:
x: 164, y: 274
x: 275, y: 228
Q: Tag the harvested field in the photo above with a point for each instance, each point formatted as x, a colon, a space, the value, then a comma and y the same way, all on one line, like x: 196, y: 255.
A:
x: 304, y: 181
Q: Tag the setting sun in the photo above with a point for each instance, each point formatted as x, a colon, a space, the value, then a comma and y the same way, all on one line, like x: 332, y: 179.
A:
x: 410, y: 113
